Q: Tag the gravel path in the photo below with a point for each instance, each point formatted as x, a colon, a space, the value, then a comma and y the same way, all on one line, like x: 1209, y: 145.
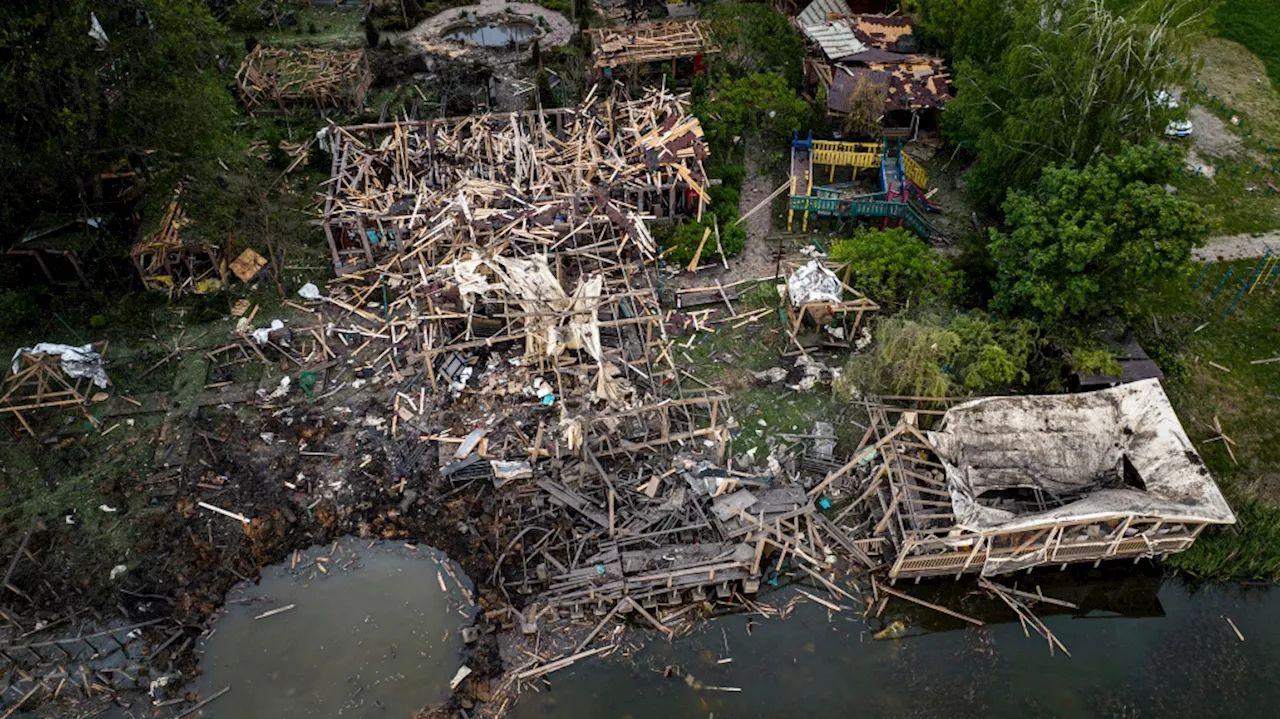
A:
x: 1237, y: 247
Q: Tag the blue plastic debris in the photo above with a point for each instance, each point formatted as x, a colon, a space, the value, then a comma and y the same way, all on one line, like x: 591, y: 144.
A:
x: 549, y: 400
x: 600, y: 569
x: 824, y: 503
x: 773, y: 582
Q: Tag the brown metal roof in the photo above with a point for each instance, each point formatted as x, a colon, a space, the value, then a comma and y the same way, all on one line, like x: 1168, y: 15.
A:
x: 912, y: 82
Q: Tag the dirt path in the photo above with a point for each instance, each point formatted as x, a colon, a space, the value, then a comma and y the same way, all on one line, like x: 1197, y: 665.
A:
x: 757, y: 258
x: 1237, y: 247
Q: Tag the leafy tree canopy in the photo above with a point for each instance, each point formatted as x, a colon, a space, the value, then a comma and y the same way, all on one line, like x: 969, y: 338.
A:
x: 1075, y: 80
x: 1087, y: 242
x: 894, y: 266
x: 756, y: 105
x: 976, y: 30
x: 73, y: 104
x: 936, y: 356
x: 755, y: 38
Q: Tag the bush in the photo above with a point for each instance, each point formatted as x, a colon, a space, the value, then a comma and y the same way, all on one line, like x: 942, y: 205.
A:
x: 20, y: 309
x: 759, y: 105
x: 893, y: 267
x: 755, y: 38
x: 1095, y: 362
x: 687, y: 237
x: 936, y: 356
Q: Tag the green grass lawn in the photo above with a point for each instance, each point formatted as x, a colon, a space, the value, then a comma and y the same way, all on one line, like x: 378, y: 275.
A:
x: 1230, y: 202
x: 1193, y: 346
x: 1256, y: 25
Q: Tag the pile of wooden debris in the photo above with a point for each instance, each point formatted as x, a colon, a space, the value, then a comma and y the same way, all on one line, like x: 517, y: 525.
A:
x: 304, y: 78
x: 532, y: 179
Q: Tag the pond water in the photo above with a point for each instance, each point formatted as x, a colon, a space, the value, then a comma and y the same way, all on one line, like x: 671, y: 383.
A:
x: 497, y: 34
x: 378, y: 635
x: 1140, y: 646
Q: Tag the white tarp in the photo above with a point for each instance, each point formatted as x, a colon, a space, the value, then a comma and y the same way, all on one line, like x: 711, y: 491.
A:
x: 76, y: 361
x: 814, y: 283
x: 1064, y: 445
x: 531, y: 284
x: 95, y: 30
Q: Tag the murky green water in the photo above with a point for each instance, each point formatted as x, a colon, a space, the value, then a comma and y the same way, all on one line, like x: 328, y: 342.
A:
x: 498, y: 34
x: 1140, y: 646
x: 374, y: 637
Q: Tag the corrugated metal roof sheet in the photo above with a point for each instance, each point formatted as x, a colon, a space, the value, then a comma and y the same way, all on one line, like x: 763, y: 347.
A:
x: 816, y: 12
x: 835, y: 40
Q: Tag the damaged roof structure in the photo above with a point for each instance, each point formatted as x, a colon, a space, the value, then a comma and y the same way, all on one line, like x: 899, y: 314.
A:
x: 878, y: 49
x: 613, y: 47
x: 533, y: 177
x: 1010, y: 483
x: 288, y: 78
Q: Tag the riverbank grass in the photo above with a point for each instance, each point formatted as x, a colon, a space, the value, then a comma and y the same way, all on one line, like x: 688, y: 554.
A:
x: 1209, y: 357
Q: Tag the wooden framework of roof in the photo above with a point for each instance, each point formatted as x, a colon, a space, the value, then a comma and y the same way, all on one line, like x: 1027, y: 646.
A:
x: 304, y: 77
x: 651, y: 42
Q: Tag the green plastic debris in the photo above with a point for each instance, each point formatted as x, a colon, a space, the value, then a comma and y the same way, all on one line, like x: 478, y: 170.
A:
x: 307, y: 381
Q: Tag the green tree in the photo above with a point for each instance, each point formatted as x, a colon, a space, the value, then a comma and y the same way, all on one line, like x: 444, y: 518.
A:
x: 976, y: 30
x: 1086, y: 243
x: 1074, y: 81
x: 893, y: 267
x: 755, y: 38
x: 73, y: 104
x: 936, y: 356
x: 759, y: 105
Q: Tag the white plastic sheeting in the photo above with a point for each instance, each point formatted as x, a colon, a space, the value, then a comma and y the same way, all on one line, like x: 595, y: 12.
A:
x: 76, y: 361
x: 814, y: 283
x: 1063, y: 444
x: 531, y: 283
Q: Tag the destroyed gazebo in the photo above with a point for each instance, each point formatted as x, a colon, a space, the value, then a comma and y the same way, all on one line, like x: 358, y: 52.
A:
x: 1010, y: 483
x: 51, y: 376
x: 175, y: 259
x: 288, y: 78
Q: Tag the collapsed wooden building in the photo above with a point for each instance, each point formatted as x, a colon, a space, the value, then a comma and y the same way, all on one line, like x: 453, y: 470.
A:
x: 505, y: 261
x: 536, y: 177
x: 175, y: 258
x: 624, y: 46
x: 308, y: 78
x: 1003, y: 484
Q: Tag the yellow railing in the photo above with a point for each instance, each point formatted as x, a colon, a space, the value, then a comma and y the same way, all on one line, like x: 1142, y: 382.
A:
x: 917, y: 174
x: 846, y: 154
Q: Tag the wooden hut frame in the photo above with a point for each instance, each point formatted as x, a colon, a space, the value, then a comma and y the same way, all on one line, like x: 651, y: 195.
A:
x: 651, y: 42
x: 39, y: 383
x: 822, y: 313
x: 167, y: 262
x: 309, y: 78
x: 914, y: 516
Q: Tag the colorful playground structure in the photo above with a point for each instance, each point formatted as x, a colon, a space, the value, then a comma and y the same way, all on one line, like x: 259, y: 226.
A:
x: 900, y: 202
